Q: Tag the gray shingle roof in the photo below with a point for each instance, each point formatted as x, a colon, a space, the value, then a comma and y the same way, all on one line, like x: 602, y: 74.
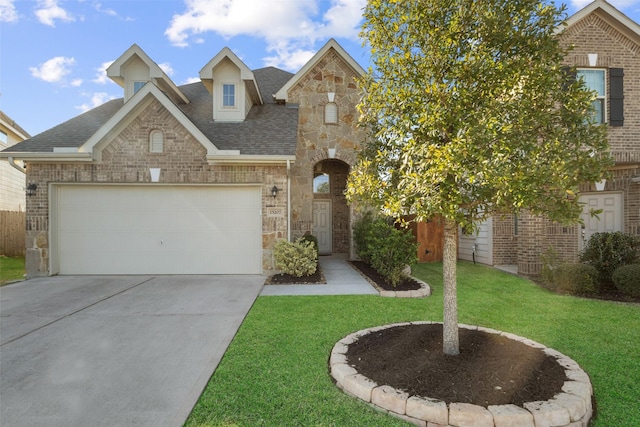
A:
x: 269, y: 129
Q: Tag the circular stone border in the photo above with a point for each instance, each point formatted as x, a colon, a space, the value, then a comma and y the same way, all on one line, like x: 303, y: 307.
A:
x: 570, y: 408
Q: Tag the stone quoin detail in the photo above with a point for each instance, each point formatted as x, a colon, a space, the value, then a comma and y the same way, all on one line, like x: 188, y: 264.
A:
x: 570, y: 408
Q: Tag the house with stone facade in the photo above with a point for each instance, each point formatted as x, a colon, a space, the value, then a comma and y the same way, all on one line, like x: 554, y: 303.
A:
x: 200, y: 178
x: 606, y: 55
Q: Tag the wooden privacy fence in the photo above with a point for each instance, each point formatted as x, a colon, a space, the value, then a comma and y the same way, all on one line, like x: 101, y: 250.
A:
x: 12, y: 233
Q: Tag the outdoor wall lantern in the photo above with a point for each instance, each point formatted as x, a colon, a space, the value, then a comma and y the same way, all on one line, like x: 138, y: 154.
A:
x: 274, y: 191
x: 31, y: 189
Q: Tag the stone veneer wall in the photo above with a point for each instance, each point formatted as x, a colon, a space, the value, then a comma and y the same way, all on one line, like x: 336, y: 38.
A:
x: 615, y: 50
x: 315, y: 137
x: 126, y: 159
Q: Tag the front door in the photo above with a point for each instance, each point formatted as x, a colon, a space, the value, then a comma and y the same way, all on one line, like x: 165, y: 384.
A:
x: 609, y: 220
x: 322, y: 227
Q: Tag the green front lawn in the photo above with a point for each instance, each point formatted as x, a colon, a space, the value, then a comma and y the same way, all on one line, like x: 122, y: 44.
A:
x: 275, y: 372
x: 11, y: 269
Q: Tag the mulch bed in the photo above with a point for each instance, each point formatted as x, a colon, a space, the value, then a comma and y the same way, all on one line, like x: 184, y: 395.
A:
x: 490, y: 369
x: 316, y: 278
x: 408, y: 284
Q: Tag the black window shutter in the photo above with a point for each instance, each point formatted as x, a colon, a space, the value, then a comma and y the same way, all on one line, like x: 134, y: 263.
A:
x: 616, y: 97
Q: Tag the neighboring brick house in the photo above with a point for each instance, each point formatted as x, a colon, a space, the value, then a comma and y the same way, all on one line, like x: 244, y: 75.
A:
x: 606, y: 53
x: 195, y: 179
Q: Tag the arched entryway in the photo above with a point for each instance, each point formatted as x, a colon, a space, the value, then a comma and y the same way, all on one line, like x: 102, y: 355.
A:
x: 331, y: 214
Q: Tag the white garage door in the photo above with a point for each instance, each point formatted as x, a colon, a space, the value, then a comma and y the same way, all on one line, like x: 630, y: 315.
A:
x: 158, y: 229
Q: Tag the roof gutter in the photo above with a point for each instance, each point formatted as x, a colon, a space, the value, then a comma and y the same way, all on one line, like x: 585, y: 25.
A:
x: 213, y: 159
x: 15, y: 165
x: 47, y: 157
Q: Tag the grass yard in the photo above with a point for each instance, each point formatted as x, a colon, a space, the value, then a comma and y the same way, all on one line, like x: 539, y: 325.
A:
x: 11, y: 269
x: 275, y: 372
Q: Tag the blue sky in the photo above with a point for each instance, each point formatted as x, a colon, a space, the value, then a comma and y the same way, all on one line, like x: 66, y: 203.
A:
x: 53, y: 53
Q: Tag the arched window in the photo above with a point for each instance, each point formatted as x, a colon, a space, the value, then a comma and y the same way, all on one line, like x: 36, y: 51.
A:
x: 331, y: 113
x: 156, y: 141
x: 321, y: 183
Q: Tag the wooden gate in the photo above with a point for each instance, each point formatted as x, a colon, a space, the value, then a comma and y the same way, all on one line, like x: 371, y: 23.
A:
x: 12, y: 233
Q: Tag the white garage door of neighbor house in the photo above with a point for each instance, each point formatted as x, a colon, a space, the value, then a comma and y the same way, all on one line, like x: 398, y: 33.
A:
x: 149, y: 229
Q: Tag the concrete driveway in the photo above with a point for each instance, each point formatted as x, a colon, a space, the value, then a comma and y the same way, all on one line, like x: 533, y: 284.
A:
x: 114, y: 350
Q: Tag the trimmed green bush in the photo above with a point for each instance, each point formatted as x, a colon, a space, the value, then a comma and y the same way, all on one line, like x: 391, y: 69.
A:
x: 387, y: 249
x: 627, y: 279
x: 575, y: 279
x: 391, y: 251
x: 299, y: 258
x: 361, y: 234
x: 608, y: 251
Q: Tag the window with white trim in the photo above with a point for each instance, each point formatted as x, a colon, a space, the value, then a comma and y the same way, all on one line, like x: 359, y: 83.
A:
x: 331, y: 113
x: 228, y: 95
x: 156, y: 141
x: 595, y: 80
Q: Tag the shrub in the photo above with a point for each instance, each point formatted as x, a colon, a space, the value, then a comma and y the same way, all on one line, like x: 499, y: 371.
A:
x: 391, y: 250
x: 576, y: 279
x: 299, y: 258
x: 311, y: 238
x: 361, y: 234
x: 627, y: 279
x: 608, y: 251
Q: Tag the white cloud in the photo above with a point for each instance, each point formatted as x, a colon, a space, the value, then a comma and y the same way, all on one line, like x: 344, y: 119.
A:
x: 191, y: 80
x: 166, y: 67
x: 290, y: 28
x: 101, y: 73
x: 8, y: 11
x: 108, y: 11
x: 54, y: 70
x: 48, y: 11
x: 76, y: 82
x: 96, y: 99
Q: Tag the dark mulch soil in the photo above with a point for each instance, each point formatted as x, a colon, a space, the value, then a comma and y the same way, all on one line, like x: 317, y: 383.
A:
x: 316, y: 278
x: 490, y: 369
x: 407, y: 284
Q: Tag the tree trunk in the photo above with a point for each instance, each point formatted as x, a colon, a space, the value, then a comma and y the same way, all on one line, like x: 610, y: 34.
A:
x: 451, y: 343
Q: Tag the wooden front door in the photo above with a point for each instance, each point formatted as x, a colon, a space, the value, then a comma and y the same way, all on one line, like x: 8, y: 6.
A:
x: 322, y: 226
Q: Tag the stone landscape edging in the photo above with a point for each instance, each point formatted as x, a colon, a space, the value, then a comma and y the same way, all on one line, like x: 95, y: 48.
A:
x: 424, y: 291
x: 570, y: 408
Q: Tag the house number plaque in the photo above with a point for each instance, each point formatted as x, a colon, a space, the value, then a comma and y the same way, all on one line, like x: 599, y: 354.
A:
x: 275, y: 212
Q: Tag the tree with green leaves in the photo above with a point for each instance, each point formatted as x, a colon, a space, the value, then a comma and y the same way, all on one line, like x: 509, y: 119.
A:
x: 470, y: 114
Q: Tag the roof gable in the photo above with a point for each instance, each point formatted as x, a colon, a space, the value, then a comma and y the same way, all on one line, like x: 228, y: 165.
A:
x: 283, y: 93
x: 117, y: 71
x: 207, y: 73
x: 130, y: 111
x: 608, y: 14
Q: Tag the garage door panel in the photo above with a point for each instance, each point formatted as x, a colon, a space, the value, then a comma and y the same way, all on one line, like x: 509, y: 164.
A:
x: 159, y: 230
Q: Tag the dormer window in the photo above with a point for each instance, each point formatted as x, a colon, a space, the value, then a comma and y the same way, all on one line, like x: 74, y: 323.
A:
x: 156, y: 141
x: 138, y: 85
x: 228, y: 95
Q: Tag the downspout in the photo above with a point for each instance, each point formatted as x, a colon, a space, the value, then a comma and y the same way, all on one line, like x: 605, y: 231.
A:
x: 13, y: 163
x: 288, y: 200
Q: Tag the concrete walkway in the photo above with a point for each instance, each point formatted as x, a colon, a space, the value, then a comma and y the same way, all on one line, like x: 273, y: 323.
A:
x: 342, y: 279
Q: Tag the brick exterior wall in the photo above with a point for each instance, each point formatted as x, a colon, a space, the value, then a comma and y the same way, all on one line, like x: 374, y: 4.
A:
x: 126, y: 159
x: 505, y: 241
x: 615, y: 50
x: 330, y: 74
